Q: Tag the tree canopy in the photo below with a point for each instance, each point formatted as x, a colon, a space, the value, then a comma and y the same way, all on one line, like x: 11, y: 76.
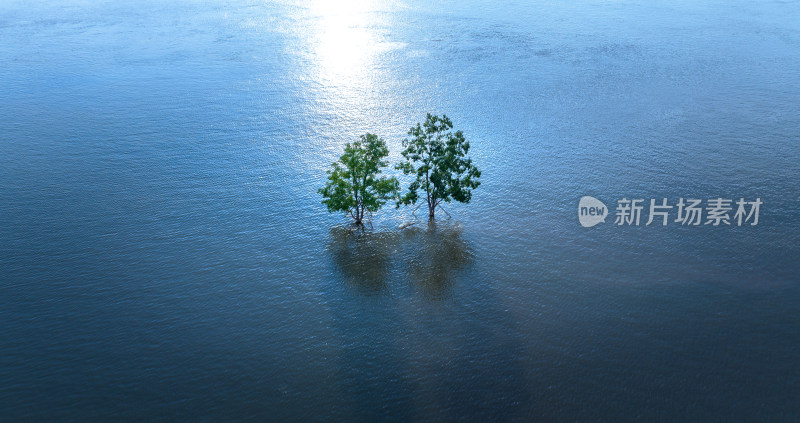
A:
x: 354, y: 183
x: 437, y: 157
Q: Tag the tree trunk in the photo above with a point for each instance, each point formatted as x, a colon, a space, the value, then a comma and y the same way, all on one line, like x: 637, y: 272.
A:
x: 358, y: 215
x: 431, y: 201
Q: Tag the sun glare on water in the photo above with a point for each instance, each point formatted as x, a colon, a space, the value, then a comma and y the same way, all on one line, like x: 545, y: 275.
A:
x: 346, y: 40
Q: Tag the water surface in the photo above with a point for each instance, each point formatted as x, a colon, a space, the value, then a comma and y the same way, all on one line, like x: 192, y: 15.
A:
x: 164, y: 254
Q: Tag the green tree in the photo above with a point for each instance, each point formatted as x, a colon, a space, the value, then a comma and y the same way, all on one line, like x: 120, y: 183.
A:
x: 354, y: 185
x: 437, y: 157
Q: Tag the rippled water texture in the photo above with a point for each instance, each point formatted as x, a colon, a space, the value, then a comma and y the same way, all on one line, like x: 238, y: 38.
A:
x: 164, y: 254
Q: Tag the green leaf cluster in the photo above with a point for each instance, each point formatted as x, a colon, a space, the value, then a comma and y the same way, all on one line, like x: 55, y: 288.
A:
x: 354, y: 182
x: 437, y: 157
x: 434, y: 154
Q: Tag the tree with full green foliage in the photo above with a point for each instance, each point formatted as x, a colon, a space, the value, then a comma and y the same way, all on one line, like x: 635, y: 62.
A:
x: 355, y: 185
x: 437, y: 157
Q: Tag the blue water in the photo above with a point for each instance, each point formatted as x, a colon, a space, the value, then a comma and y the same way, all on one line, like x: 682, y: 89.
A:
x: 164, y: 254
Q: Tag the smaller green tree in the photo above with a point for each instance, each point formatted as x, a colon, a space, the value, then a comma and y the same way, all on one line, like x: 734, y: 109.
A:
x: 438, y: 158
x: 354, y: 182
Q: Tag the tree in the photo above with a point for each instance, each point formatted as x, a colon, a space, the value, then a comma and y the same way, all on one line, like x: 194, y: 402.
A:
x: 437, y: 157
x: 354, y: 185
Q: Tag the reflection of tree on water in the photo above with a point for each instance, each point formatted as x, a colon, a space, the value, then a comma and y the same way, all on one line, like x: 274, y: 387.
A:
x: 436, y: 254
x: 362, y: 257
x: 429, y: 258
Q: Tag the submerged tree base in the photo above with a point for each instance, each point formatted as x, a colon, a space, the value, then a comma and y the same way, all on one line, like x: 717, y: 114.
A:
x: 359, y: 226
x: 431, y: 215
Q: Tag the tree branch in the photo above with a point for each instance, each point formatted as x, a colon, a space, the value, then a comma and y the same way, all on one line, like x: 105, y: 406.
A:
x: 445, y: 211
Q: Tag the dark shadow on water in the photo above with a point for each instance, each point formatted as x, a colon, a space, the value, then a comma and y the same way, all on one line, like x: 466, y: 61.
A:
x: 429, y: 257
